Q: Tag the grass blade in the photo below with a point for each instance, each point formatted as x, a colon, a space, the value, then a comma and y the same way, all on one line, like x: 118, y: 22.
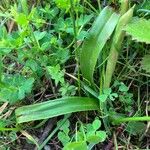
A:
x: 30, y: 138
x: 54, y: 108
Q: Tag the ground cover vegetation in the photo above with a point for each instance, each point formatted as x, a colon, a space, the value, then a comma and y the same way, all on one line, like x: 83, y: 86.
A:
x: 74, y: 74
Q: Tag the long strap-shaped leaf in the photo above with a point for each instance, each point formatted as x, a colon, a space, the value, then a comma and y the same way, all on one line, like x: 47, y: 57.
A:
x: 93, y: 45
x: 116, y: 46
x: 54, y: 108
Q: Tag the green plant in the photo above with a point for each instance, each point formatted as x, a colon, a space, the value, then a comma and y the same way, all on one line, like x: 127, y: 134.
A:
x: 96, y: 40
x: 85, y: 137
x: 116, y: 44
x: 134, y: 29
x: 107, y: 93
x: 112, y: 19
x: 54, y: 108
x: 15, y: 88
x: 92, y: 40
x: 43, y: 48
x: 58, y: 76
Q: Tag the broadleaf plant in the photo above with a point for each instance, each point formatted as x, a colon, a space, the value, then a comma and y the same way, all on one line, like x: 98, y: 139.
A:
x: 95, y: 40
x: 15, y: 88
x: 85, y: 136
x: 139, y: 29
x: 52, y: 63
x: 73, y: 104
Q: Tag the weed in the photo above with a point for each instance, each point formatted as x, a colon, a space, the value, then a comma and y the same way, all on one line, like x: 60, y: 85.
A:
x: 69, y: 56
x: 85, y: 137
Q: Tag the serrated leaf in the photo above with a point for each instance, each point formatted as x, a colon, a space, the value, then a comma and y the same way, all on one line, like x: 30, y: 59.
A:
x: 145, y: 63
x: 21, y: 93
x: 53, y: 108
x: 56, y: 73
x: 139, y: 29
x: 97, y: 38
x: 16, y: 89
x: 27, y: 86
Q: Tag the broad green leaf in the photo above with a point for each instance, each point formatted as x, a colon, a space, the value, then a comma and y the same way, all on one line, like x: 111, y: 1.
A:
x: 113, y: 96
x: 96, y: 124
x: 89, y: 128
x: 107, y: 91
x: 100, y: 136
x: 84, y: 19
x: 76, y: 146
x: 20, y: 18
x: 97, y: 38
x: 94, y: 139
x: 54, y: 108
x: 139, y: 29
x: 146, y: 63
